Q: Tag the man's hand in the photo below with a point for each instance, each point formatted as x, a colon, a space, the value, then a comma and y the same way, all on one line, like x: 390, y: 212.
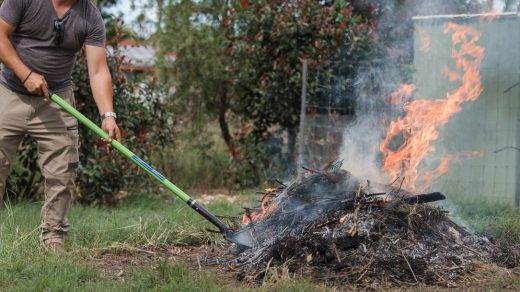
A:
x: 110, y: 126
x: 36, y: 84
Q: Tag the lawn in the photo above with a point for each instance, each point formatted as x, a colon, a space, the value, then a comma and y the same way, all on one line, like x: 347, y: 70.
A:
x: 140, y: 221
x: 147, y: 221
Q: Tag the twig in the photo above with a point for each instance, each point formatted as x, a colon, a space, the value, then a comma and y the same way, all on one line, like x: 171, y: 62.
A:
x: 394, y: 192
x: 401, y: 184
x: 409, y: 266
x: 375, y: 194
x: 311, y: 170
x: 394, y: 181
x: 366, y: 268
x: 266, y: 270
x: 330, y: 221
x: 353, y: 231
x: 281, y: 183
x: 336, y: 252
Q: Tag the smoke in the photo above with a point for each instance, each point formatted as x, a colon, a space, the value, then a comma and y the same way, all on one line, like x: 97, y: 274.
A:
x: 360, y: 152
x: 373, y: 86
x: 382, y: 76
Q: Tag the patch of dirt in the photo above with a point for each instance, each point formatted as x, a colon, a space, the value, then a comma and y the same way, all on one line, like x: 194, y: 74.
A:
x: 205, y: 196
x: 116, y: 262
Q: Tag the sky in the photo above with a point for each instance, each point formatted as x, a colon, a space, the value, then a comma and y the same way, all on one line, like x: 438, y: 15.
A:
x: 130, y: 14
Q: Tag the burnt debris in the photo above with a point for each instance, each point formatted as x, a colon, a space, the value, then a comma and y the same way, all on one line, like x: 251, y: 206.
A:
x: 338, y: 228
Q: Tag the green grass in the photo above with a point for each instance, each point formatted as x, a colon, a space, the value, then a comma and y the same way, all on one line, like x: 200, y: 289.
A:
x: 198, y: 159
x: 140, y: 220
x: 155, y: 220
x: 497, y: 219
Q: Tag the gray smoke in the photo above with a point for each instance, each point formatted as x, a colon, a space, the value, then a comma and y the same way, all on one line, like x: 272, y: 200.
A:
x: 382, y: 76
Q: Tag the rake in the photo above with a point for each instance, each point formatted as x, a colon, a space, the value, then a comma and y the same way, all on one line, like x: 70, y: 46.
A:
x: 242, y: 239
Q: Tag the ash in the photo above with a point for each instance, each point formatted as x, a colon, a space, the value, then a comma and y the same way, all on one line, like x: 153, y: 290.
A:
x: 335, y: 227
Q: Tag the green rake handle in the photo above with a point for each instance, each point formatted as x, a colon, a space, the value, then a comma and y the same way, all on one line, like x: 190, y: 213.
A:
x: 140, y: 163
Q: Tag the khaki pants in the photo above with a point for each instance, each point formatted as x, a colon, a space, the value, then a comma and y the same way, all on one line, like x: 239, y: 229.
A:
x: 57, y: 135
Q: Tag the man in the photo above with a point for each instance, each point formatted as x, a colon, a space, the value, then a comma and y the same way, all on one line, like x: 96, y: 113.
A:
x: 39, y: 41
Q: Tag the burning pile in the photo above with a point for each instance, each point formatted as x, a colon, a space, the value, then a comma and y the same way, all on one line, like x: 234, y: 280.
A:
x: 336, y: 227
x: 331, y: 225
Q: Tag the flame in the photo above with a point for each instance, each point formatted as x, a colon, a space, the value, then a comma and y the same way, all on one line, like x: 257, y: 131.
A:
x: 267, y: 206
x: 422, y: 120
x: 429, y: 176
x: 426, y: 41
x: 451, y: 75
x: 490, y: 16
x: 402, y: 94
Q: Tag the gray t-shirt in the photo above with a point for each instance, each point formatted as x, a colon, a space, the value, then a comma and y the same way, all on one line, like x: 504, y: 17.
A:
x: 33, y: 39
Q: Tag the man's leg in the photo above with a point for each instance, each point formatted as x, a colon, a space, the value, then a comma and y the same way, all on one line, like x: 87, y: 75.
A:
x: 57, y: 135
x: 13, y: 118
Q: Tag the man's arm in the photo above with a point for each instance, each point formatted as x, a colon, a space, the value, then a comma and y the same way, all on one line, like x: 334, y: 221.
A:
x: 101, y: 83
x: 34, y: 82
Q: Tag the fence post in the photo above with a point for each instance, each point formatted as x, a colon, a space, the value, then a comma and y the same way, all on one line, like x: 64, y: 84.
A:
x: 517, y: 191
x: 303, y: 113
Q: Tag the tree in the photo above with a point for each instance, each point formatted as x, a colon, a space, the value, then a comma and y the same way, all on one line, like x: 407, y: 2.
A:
x: 242, y: 59
x: 195, y: 32
x: 268, y: 41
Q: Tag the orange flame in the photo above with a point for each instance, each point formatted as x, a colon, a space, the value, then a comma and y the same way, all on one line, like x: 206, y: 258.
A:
x: 423, y: 118
x: 429, y: 176
x: 451, y: 75
x: 490, y: 16
x: 402, y: 94
x: 267, y: 206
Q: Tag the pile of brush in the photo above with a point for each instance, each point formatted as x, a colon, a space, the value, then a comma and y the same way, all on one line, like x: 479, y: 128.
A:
x: 333, y: 227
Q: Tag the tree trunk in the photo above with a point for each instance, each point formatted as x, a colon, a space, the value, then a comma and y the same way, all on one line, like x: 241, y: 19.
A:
x: 224, y: 126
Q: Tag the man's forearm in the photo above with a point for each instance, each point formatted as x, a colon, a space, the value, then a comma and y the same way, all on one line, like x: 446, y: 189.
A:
x: 10, y: 58
x: 101, y: 83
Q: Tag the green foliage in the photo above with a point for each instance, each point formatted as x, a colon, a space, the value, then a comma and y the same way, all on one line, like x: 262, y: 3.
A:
x: 198, y: 160
x: 24, y: 183
x: 240, y: 63
x: 268, y: 41
x: 195, y: 31
x: 498, y: 219
x: 146, y: 124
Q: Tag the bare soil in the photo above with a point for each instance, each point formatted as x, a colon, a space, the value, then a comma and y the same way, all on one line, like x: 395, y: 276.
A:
x: 116, y: 262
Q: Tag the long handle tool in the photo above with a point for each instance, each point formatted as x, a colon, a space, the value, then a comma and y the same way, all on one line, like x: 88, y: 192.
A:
x: 242, y: 239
